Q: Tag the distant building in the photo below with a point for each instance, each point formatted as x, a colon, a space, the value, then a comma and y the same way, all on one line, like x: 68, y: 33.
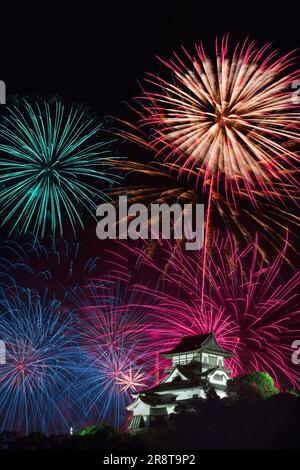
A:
x: 197, y: 366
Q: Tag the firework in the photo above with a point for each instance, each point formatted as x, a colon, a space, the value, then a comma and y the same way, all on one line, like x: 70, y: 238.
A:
x: 58, y: 267
x: 116, y: 348
x: 42, y: 358
x: 52, y: 164
x: 130, y: 380
x: 251, y: 309
x: 230, y: 119
x: 271, y: 213
x: 11, y: 260
x: 162, y: 185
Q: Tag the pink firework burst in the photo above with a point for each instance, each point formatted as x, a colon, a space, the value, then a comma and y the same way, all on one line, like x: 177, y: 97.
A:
x: 252, y: 310
x: 230, y: 119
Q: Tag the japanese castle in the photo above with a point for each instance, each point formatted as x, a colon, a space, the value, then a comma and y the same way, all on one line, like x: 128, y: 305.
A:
x: 197, y: 366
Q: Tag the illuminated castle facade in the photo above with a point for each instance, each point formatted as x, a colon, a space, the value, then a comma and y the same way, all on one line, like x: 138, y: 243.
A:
x: 197, y: 367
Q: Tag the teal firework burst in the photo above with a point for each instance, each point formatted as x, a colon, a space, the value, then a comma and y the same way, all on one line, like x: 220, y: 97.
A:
x: 53, y: 167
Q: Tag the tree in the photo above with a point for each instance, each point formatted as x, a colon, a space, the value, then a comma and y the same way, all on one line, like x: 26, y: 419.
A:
x: 256, y: 384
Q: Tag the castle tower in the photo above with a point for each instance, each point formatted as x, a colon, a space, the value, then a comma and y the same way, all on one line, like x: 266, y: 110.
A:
x: 197, y: 365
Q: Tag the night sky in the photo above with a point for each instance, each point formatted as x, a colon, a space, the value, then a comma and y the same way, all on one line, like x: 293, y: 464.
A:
x: 99, y: 55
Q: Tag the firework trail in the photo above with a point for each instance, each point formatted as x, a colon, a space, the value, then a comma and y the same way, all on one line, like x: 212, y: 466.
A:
x: 161, y: 185
x: 12, y: 260
x: 248, y: 305
x: 231, y: 121
x: 51, y: 166
x: 41, y: 367
x: 116, y: 348
x: 60, y: 267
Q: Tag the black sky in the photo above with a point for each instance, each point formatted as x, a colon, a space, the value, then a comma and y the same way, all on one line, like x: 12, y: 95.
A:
x: 96, y: 52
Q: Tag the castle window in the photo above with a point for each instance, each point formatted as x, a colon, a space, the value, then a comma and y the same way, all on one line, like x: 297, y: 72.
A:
x: 212, y: 360
x: 189, y: 357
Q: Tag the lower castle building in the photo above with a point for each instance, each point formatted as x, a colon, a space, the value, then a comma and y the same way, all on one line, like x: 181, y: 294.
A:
x: 197, y: 366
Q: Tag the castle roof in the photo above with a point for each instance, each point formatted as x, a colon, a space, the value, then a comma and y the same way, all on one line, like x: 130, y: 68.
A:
x: 205, y: 342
